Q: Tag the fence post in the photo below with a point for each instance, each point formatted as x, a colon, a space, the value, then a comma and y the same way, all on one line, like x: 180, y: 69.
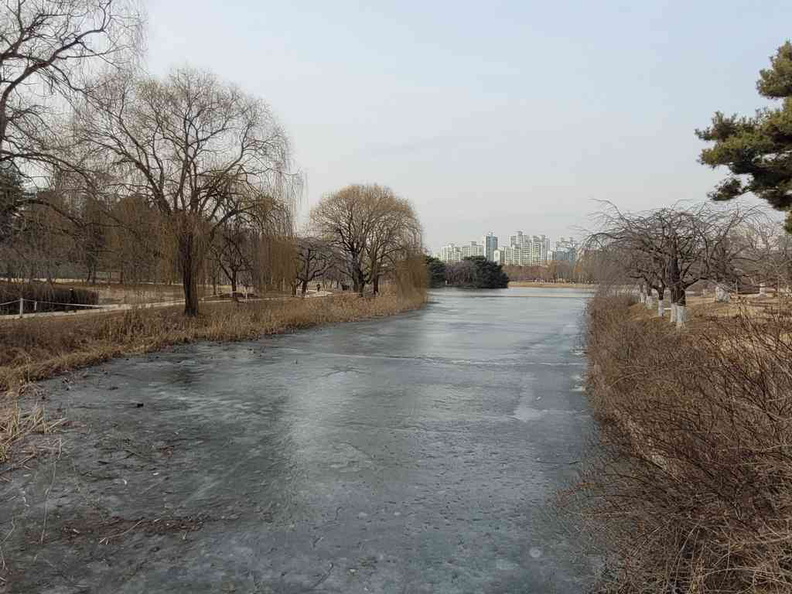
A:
x: 21, y: 306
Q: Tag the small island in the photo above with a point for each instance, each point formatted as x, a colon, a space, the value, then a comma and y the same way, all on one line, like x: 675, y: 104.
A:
x: 474, y: 272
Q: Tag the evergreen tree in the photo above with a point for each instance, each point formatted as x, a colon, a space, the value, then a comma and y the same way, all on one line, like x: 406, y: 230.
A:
x: 477, y: 272
x: 436, y: 270
x: 757, y: 150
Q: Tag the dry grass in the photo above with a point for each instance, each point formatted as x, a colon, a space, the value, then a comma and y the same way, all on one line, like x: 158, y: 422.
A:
x: 16, y: 423
x: 692, y: 491
x: 34, y: 349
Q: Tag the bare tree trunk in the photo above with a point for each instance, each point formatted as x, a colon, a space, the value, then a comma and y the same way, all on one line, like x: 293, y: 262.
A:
x: 681, y: 316
x: 189, y: 265
x: 304, y: 287
x: 678, y: 302
x: 358, y: 284
x: 376, y: 285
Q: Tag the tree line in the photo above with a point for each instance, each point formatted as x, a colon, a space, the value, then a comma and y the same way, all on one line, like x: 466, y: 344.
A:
x: 668, y: 250
x: 105, y: 168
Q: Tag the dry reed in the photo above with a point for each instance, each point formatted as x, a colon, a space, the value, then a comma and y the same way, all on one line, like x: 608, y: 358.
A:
x: 692, y: 488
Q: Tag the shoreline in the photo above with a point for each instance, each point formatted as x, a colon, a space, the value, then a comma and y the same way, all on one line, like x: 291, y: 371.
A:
x: 44, y: 348
x: 544, y: 285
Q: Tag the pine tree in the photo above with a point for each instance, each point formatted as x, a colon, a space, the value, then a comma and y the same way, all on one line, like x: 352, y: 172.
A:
x: 757, y: 150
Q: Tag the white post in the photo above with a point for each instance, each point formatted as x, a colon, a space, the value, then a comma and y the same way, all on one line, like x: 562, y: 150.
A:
x: 649, y: 302
x: 762, y: 289
x: 661, y: 308
x: 21, y: 307
x: 673, y: 313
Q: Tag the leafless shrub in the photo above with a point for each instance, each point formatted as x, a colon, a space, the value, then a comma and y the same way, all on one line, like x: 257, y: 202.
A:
x: 692, y: 490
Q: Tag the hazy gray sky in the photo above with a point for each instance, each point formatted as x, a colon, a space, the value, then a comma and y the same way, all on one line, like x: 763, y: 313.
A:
x: 498, y: 115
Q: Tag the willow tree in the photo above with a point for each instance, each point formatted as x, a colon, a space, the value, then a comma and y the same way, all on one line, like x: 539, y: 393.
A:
x: 49, y: 49
x: 756, y: 150
x: 371, y: 228
x: 203, y: 153
x: 46, y: 49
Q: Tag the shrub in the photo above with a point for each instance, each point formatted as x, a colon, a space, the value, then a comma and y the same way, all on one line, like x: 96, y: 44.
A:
x: 692, y: 488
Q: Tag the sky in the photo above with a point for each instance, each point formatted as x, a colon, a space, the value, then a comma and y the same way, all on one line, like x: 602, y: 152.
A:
x: 488, y: 116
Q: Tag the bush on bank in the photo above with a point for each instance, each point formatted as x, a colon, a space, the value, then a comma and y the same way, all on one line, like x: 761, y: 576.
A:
x: 692, y: 488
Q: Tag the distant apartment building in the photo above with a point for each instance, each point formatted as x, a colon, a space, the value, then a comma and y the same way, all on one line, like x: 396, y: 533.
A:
x: 456, y: 253
x: 450, y: 253
x: 472, y: 249
x: 539, y: 246
x: 522, y: 250
x: 490, y: 242
x: 526, y: 250
x: 566, y: 250
x: 514, y: 255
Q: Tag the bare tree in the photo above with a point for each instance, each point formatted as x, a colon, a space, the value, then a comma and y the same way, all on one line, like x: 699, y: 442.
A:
x: 203, y: 153
x: 395, y: 236
x: 231, y: 251
x: 673, y: 248
x: 371, y: 227
x: 767, y: 256
x: 315, y: 258
x: 45, y: 48
x: 633, y: 245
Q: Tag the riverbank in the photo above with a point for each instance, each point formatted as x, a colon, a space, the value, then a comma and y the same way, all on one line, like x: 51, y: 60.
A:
x: 34, y: 349
x: 541, y: 285
x: 690, y: 492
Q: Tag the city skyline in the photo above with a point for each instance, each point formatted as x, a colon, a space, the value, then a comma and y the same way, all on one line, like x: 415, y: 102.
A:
x: 520, y: 249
